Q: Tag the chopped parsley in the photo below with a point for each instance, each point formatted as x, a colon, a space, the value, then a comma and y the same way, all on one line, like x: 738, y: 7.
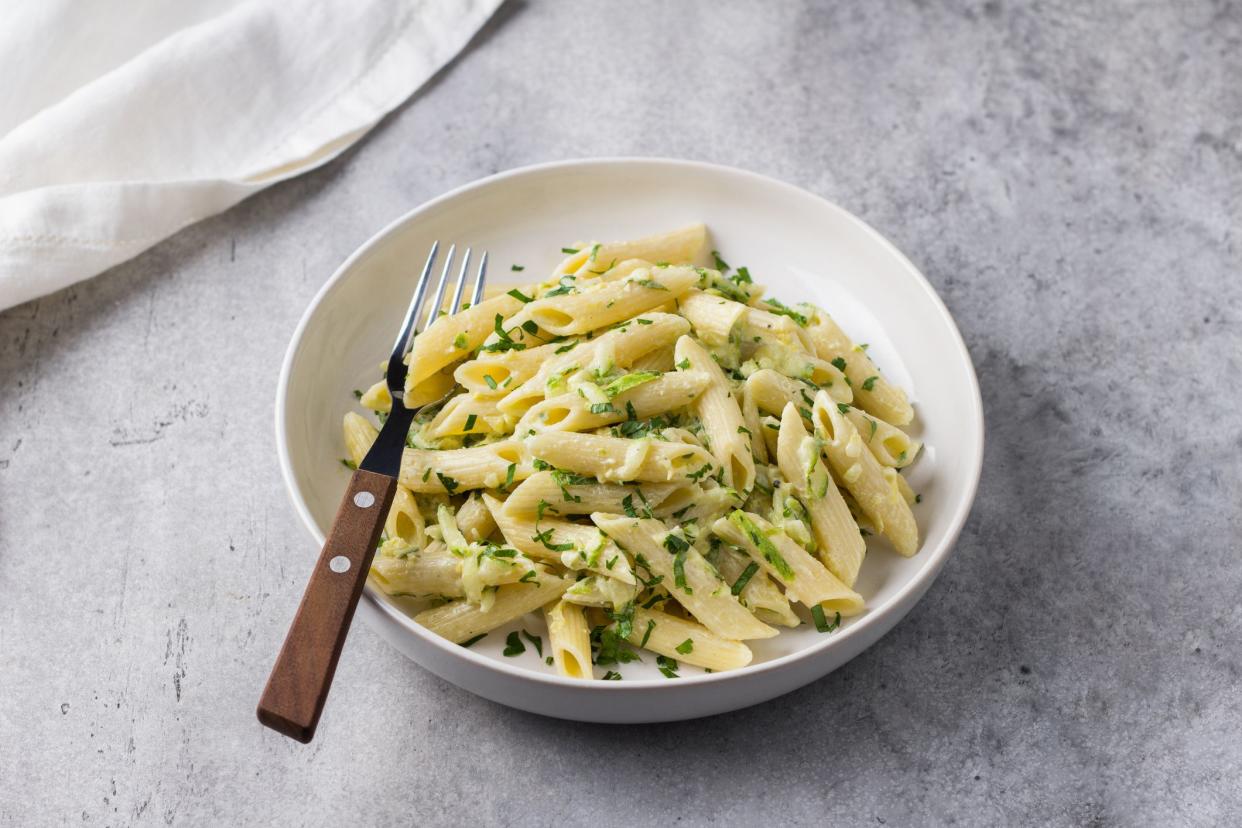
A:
x: 625, y: 383
x: 566, y: 286
x: 449, y: 484
x: 612, y: 675
x: 643, y: 321
x: 918, y: 498
x: 869, y: 383
x: 744, y: 578
x: 460, y: 342
x: 686, y: 647
x: 470, y: 642
x: 646, y: 635
x: 521, y: 297
x: 678, y: 546
x: 779, y: 307
x: 517, y: 268
x: 357, y: 394
x: 504, y: 341
x: 843, y: 408
x: 564, y: 349
x: 513, y: 645
x: 761, y: 541
x: 839, y: 364
x: 602, y: 408
x: 349, y: 464
x: 509, y: 472
x: 668, y: 666
x: 721, y: 264
x: 471, y: 419
x: 535, y: 640
x: 684, y: 365
x: 742, y: 277
x: 491, y: 383
x: 650, y: 284
x: 569, y: 250
x: 821, y: 623
x: 543, y: 538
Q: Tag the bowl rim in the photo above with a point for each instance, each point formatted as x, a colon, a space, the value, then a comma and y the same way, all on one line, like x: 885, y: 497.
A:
x: 935, y: 558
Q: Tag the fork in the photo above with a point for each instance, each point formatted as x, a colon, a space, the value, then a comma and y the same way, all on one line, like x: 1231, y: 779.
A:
x: 298, y: 686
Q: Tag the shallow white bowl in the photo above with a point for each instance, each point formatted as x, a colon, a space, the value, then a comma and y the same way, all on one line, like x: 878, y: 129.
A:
x: 801, y: 246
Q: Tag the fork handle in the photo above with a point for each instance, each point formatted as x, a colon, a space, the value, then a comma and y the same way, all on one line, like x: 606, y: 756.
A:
x: 296, y: 691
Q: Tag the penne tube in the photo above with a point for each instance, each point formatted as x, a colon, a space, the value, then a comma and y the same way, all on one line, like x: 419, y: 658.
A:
x: 728, y: 438
x: 404, y: 527
x: 615, y: 348
x: 839, y: 543
x: 496, y: 374
x: 359, y: 435
x: 573, y: 545
x: 600, y: 305
x: 467, y: 414
x: 712, y: 317
x: 889, y: 444
x: 573, y: 495
x: 572, y: 412
x: 863, y: 476
x: 450, y: 339
x: 461, y: 620
x: 460, y: 470
x: 619, y: 459
x: 758, y: 592
x: 873, y: 393
x: 691, y: 580
x: 433, y: 572
x: 570, y: 640
x: 752, y: 424
x: 804, y: 578
x: 683, y: 640
x: 684, y: 246
x: 474, y: 520
x: 760, y: 325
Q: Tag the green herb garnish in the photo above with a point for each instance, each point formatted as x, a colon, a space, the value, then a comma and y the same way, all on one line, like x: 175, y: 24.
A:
x: 744, y: 578
x: 513, y: 645
x: 821, y: 623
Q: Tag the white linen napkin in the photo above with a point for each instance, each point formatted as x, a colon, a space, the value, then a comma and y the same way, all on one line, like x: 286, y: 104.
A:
x: 121, y: 123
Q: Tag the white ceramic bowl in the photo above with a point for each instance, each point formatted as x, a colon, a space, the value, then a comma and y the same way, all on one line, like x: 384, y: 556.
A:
x: 801, y: 246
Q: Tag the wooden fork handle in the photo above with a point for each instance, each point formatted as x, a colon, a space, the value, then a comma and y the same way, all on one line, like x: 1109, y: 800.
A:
x: 298, y: 686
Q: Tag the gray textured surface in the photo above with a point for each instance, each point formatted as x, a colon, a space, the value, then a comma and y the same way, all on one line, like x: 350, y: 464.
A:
x: 1069, y: 177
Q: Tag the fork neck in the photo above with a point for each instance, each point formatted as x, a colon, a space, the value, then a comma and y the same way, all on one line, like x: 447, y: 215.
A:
x: 385, y: 454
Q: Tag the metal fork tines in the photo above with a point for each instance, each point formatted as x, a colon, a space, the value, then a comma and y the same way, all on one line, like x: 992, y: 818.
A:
x: 420, y: 314
x: 385, y: 454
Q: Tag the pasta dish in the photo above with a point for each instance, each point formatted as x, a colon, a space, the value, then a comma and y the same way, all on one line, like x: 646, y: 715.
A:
x: 642, y: 447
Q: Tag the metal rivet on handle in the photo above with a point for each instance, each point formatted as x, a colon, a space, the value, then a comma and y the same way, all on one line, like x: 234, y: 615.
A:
x: 339, y: 564
x: 364, y: 500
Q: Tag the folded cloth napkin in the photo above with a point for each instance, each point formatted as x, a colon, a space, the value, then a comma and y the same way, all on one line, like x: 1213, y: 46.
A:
x: 121, y: 123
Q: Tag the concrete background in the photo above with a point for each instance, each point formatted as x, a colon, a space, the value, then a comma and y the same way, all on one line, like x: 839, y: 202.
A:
x: 1068, y: 175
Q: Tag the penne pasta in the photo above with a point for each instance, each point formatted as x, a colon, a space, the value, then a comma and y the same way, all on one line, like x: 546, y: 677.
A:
x: 840, y: 544
x: 570, y: 640
x: 874, y: 394
x: 889, y: 444
x: 461, y: 620
x: 689, y: 577
x: 648, y: 449
x: 863, y: 476
x: 677, y: 638
x: 805, y: 579
x: 728, y: 438
x: 599, y: 305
